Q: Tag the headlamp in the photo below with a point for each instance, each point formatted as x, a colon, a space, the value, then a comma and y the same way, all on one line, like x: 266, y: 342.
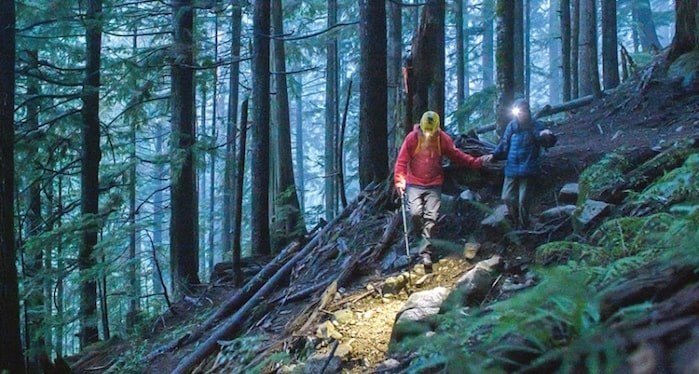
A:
x: 516, y: 111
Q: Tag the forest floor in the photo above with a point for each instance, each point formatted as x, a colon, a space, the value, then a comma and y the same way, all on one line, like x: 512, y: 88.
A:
x: 362, y: 312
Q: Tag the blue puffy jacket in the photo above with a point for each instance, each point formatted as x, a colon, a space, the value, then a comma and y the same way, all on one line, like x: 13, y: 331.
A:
x: 521, y: 147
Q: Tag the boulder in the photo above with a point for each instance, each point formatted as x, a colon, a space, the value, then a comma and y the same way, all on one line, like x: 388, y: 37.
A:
x: 471, y: 250
x: 343, y: 316
x: 317, y: 361
x: 414, y: 318
x: 569, y: 193
x: 327, y: 330
x: 423, y: 304
x: 473, y: 286
x: 592, y: 212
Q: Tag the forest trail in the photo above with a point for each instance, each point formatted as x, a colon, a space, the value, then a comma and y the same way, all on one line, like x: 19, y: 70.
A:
x: 345, y: 294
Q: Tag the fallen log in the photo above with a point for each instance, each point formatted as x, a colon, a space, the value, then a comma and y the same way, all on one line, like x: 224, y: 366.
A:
x: 642, y: 176
x: 655, y: 285
x: 229, y: 328
x: 240, y: 297
x: 549, y: 110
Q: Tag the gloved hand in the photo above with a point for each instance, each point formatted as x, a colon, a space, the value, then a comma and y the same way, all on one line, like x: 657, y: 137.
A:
x: 400, y: 184
x: 486, y: 159
x: 545, y: 132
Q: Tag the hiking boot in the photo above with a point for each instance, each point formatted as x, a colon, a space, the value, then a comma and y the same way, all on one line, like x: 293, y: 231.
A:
x: 426, y: 260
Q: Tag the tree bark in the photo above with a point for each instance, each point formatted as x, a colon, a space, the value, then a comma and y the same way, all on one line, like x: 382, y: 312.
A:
x: 89, y: 175
x: 373, y: 148
x: 460, y: 63
x: 554, y: 53
x: 300, y: 169
x: 426, y: 73
x: 331, y: 99
x: 574, y: 48
x: 505, y: 13
x: 395, y: 79
x: 134, y: 286
x: 566, y: 42
x: 488, y: 43
x: 213, y: 155
x: 184, y: 232
x: 685, y: 38
x: 231, y: 128
x: 35, y: 341
x: 518, y: 52
x: 259, y: 220
x: 11, y: 357
x: 238, y: 193
x: 589, y: 72
x: 610, y: 59
x: 289, y: 217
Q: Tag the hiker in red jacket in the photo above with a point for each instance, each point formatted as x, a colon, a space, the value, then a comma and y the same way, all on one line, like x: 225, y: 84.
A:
x: 418, y: 173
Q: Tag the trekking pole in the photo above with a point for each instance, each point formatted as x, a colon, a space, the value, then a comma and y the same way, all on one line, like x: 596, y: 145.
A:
x: 405, y: 232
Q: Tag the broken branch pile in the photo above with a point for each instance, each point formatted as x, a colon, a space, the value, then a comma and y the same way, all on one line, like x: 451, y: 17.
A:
x: 315, y: 270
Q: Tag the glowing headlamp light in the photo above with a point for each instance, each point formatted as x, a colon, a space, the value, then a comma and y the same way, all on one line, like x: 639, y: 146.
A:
x: 516, y: 111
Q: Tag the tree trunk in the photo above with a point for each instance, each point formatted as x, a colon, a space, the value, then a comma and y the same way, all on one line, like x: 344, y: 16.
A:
x: 685, y: 38
x: 331, y: 99
x: 643, y: 19
x: 610, y: 59
x: 158, y: 215
x: 35, y: 340
x: 395, y: 80
x: 554, y: 53
x: 488, y: 43
x: 426, y: 72
x: 518, y: 52
x: 90, y: 159
x: 527, y: 48
x: 460, y: 63
x: 259, y: 219
x: 238, y: 193
x: 11, y: 358
x: 60, y: 265
x: 505, y: 62
x: 104, y: 305
x: 589, y: 72
x: 134, y: 287
x: 300, y: 169
x: 566, y: 42
x: 184, y: 231
x: 289, y: 218
x: 213, y: 156
x: 201, y: 184
x: 574, y: 48
x: 231, y: 127
x: 373, y: 151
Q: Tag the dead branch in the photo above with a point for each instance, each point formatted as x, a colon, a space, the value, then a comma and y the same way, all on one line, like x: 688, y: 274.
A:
x: 229, y: 328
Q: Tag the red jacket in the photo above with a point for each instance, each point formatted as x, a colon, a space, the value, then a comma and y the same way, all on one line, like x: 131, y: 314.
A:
x: 423, y: 167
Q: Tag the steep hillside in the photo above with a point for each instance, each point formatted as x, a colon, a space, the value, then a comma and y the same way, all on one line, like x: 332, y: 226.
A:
x: 616, y: 291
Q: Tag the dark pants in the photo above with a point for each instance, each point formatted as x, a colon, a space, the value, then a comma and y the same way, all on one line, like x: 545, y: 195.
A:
x: 516, y: 193
x: 423, y: 204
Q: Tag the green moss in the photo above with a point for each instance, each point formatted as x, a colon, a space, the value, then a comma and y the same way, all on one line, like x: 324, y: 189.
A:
x: 679, y: 185
x: 606, y: 172
x: 562, y: 252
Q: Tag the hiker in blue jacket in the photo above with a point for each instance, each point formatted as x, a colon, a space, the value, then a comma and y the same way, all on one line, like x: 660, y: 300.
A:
x: 521, y: 146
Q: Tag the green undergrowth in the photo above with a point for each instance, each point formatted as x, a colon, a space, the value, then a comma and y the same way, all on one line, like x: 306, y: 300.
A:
x: 609, y: 170
x: 555, y: 326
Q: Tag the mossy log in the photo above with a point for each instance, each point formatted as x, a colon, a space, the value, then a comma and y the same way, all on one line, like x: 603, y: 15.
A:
x: 643, y: 175
x: 655, y: 284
